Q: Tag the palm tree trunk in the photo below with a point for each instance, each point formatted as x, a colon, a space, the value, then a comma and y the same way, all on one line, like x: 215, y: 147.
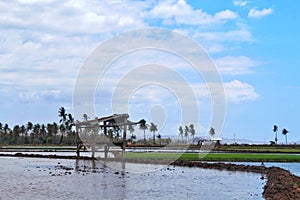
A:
x: 285, y: 138
x: 144, y: 138
x: 154, y: 137
x: 193, y: 139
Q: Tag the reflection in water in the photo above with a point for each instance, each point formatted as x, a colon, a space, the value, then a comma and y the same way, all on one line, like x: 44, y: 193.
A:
x: 35, y: 178
x: 94, y: 166
x: 110, y: 182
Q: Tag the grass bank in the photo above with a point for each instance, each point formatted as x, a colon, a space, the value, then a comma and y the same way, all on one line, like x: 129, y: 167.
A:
x: 259, y: 148
x: 225, y: 157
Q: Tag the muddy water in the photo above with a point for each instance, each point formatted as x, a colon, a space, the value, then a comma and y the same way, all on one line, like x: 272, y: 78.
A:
x: 36, y: 178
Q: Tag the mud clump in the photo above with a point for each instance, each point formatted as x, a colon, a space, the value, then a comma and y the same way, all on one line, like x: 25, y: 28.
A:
x: 47, y: 156
x: 281, y: 184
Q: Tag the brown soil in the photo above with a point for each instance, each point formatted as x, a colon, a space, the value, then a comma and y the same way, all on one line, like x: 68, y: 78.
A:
x: 45, y: 156
x: 281, y: 184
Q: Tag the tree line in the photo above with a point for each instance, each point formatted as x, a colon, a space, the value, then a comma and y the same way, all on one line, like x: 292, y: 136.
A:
x: 188, y: 130
x: 60, y: 133
x: 143, y: 127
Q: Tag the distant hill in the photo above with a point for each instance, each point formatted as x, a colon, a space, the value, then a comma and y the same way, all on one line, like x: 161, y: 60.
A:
x: 224, y: 140
x: 241, y: 141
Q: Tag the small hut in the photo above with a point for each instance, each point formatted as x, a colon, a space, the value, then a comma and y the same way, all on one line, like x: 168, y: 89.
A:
x: 97, y: 133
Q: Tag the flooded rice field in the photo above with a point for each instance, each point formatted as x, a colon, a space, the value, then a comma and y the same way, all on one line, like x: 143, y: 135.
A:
x: 39, y: 178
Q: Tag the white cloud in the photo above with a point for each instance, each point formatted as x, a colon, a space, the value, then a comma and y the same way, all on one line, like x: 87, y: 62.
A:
x: 237, y: 91
x: 225, y: 14
x: 44, y: 43
x: 32, y: 96
x: 240, y: 3
x: 180, y: 12
x: 72, y: 16
x: 235, y: 65
x: 255, y: 13
x: 214, y: 47
x: 242, y: 35
x: 34, y: 1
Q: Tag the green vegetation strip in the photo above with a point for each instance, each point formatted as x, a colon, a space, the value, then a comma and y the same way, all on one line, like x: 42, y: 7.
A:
x: 262, y: 148
x: 232, y: 157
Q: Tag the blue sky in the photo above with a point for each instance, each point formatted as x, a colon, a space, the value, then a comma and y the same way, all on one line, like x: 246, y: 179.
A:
x: 254, y: 44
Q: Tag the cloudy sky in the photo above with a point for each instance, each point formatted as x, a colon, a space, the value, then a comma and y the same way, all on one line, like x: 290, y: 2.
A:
x: 254, y: 44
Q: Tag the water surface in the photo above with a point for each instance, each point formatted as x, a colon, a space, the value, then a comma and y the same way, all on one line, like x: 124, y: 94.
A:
x: 39, y: 178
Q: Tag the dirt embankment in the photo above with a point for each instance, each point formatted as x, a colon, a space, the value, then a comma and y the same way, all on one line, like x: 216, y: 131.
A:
x: 281, y: 184
x: 44, y: 156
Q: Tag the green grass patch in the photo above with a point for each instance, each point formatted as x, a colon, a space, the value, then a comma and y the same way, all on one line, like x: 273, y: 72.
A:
x: 262, y: 148
x: 226, y: 157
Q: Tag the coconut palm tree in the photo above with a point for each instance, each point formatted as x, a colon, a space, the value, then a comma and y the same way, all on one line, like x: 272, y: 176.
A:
x: 16, y: 134
x: 159, y: 137
x: 1, y: 133
x: 186, y: 133
x: 6, y: 128
x: 153, y: 128
x: 180, y: 132
x: 275, y: 129
x: 85, y: 117
x: 212, y: 132
x: 55, y: 128
x: 24, y: 134
x: 55, y: 131
x: 192, y: 131
x: 143, y: 127
x: 285, y: 132
x: 36, y: 133
x: 70, y: 122
x: 50, y: 130
x: 62, y: 114
x: 23, y: 130
x: 5, y: 132
x: 131, y: 130
x: 29, y: 126
x: 43, y: 133
x: 62, y: 130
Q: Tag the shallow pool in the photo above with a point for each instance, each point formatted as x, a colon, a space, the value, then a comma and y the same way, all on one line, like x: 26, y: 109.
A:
x: 39, y: 178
